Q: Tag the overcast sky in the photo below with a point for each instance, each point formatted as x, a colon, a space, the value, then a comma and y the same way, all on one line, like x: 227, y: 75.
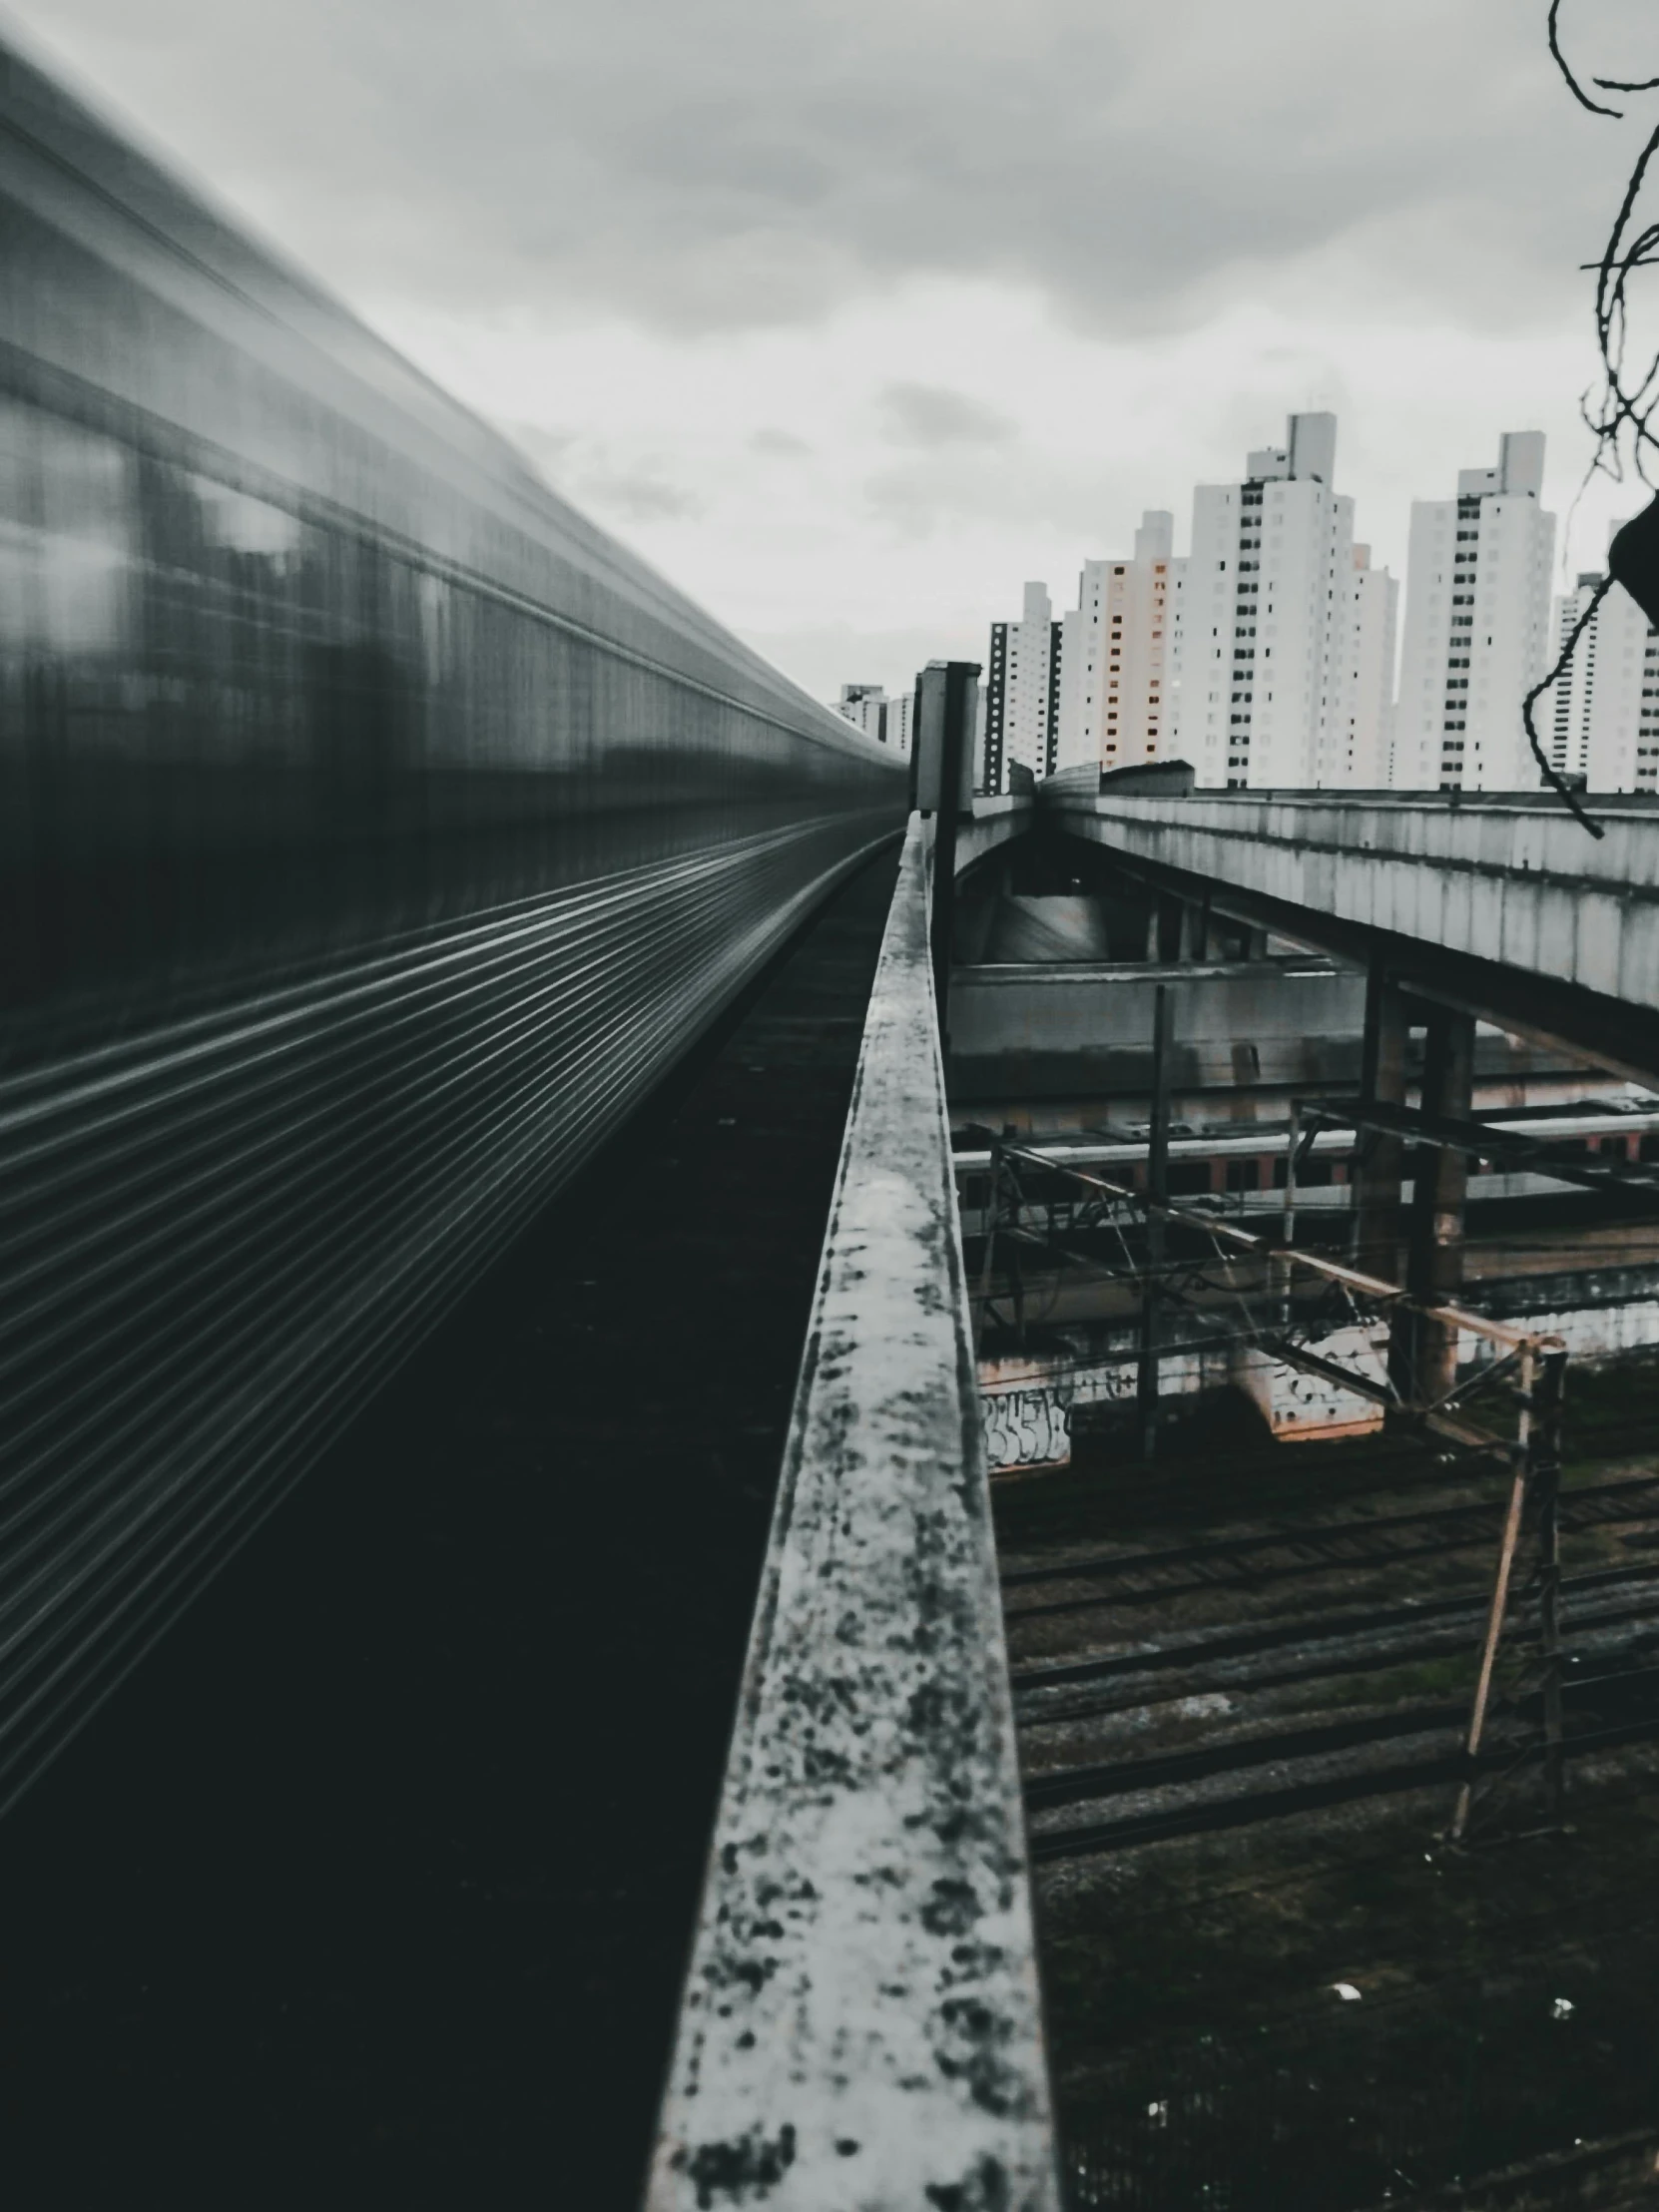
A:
x: 851, y: 314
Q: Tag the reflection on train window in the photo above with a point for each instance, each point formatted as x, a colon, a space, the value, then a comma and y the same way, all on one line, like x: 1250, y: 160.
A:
x: 65, y: 536
x: 243, y: 524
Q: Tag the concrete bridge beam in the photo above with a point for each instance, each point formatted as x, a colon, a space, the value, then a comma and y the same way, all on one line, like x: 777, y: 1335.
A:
x: 1502, y: 908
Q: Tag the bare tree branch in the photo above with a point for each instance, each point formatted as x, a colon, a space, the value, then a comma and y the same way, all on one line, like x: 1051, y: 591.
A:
x: 1577, y: 90
x: 1551, y: 775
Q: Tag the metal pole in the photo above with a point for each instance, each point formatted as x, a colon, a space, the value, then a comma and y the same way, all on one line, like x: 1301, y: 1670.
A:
x: 1380, y: 1159
x: 990, y: 1246
x: 1423, y: 1353
x: 1500, y: 1595
x: 1287, y: 1233
x: 1547, y: 1479
x: 1157, y: 1191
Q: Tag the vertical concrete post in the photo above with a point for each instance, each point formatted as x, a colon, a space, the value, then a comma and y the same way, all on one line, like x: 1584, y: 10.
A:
x: 1157, y: 1191
x: 1168, y: 928
x: 1427, y: 1349
x: 1381, y: 1159
x: 947, y: 700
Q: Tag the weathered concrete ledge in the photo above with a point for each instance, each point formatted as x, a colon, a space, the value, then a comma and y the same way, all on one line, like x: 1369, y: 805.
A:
x: 861, y: 2029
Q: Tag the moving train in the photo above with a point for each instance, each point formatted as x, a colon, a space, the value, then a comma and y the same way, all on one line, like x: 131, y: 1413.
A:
x: 374, y: 834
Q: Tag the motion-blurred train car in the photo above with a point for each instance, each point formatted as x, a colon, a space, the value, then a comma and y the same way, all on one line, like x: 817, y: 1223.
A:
x: 373, y: 832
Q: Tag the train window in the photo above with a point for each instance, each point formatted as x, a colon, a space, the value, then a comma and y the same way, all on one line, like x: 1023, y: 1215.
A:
x: 65, y: 540
x: 241, y: 524
x: 1312, y: 1175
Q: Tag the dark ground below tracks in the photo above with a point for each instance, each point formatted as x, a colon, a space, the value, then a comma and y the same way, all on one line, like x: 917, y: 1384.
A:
x: 1202, y: 2052
x: 376, y: 1884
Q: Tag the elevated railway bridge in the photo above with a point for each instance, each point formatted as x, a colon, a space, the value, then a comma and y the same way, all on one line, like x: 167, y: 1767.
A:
x: 377, y: 838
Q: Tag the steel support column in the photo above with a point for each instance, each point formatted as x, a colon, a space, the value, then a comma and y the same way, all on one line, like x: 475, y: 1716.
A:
x: 1381, y: 1163
x: 1157, y: 1191
x: 1423, y: 1355
x: 1547, y: 1390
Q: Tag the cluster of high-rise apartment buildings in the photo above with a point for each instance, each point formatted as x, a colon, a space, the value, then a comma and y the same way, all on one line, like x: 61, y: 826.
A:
x: 1268, y: 654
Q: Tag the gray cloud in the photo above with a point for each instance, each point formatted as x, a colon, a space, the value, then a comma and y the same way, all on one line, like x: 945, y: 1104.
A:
x: 930, y: 415
x: 779, y: 445
x: 629, y: 495
x: 551, y: 450
x: 619, y: 485
x: 721, y: 164
x: 822, y: 657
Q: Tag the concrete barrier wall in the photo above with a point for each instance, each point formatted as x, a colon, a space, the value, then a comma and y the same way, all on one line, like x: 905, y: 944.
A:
x: 861, y: 2023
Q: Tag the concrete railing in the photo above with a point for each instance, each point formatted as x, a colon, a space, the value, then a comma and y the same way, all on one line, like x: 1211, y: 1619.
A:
x: 1502, y: 905
x: 860, y: 2024
x: 1505, y: 881
x: 992, y: 822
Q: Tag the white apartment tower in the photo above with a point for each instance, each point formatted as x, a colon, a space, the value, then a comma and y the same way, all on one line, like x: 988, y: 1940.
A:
x: 1476, y: 626
x: 866, y: 706
x: 1601, y: 721
x: 888, y: 720
x: 901, y: 719
x: 1265, y: 666
x: 1374, y: 621
x: 1117, y: 659
x: 1022, y: 692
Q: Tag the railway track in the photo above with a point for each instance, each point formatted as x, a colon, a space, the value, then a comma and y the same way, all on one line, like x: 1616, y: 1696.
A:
x: 1287, y: 1761
x: 1237, y: 1562
x: 1251, y: 1807
x: 1117, y: 1778
x: 1365, y: 1649
x: 1246, y: 1807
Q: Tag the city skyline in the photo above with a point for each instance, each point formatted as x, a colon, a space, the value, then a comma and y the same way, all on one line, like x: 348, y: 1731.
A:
x: 839, y: 378
x: 1414, y: 681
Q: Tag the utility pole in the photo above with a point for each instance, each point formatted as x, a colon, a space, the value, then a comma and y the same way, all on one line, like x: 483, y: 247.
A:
x: 1157, y: 1192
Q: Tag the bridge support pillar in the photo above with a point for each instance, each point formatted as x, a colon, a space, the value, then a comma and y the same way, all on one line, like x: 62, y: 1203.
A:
x: 1381, y: 1163
x: 1173, y: 929
x: 942, y: 780
x: 1423, y: 1355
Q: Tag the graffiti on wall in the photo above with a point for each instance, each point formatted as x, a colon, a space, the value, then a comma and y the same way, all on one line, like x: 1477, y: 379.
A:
x: 1027, y: 1424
